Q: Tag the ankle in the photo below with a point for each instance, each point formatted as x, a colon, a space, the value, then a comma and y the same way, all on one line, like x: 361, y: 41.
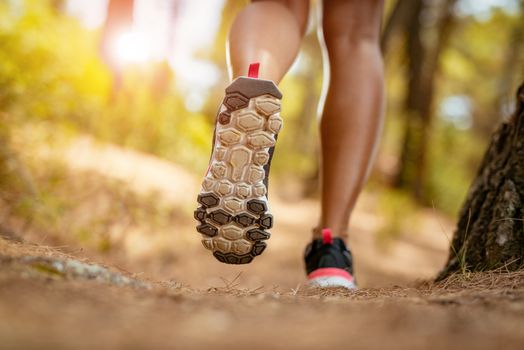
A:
x: 319, y: 233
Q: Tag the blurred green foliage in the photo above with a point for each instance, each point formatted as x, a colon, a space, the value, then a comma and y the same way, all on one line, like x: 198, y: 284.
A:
x: 50, y: 70
x: 48, y: 64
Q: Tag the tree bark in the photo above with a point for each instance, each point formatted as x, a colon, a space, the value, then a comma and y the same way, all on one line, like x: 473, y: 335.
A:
x: 490, y: 231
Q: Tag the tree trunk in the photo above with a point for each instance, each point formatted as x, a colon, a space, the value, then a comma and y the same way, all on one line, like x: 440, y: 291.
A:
x: 490, y: 231
x: 397, y: 21
x: 512, y: 58
x: 423, y: 58
x: 416, y: 54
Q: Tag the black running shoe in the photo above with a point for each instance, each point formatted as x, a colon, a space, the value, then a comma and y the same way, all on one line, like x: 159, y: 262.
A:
x: 329, y: 262
x: 233, y: 214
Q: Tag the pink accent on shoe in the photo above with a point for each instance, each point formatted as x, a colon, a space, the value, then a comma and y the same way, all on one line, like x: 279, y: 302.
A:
x: 330, y: 272
x: 327, y: 237
x: 253, y: 70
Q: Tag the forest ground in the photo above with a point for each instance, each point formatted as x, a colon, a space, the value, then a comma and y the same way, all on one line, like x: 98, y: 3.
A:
x: 165, y: 291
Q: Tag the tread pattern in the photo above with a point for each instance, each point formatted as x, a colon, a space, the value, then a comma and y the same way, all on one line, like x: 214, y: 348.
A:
x: 233, y: 213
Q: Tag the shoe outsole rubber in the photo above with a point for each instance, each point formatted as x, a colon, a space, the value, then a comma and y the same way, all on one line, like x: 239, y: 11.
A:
x: 331, y: 277
x: 233, y: 214
x: 332, y: 282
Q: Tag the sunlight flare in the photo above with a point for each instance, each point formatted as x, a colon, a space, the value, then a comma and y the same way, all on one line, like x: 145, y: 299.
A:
x: 131, y: 47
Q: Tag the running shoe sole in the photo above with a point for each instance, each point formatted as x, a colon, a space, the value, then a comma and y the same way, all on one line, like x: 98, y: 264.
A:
x: 233, y: 214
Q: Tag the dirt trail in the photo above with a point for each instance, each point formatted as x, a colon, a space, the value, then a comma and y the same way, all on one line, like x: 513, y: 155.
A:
x: 417, y: 256
x: 44, y: 307
x: 139, y: 299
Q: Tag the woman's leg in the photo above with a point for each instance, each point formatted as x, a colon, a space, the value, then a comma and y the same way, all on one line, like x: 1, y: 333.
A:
x: 353, y: 112
x: 248, y: 121
x: 268, y: 32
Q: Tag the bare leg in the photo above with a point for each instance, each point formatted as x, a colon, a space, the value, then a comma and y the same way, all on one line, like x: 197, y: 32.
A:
x: 268, y: 32
x: 353, y: 113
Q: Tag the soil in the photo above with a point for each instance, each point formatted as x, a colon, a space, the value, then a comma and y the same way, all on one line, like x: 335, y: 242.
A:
x: 70, y: 297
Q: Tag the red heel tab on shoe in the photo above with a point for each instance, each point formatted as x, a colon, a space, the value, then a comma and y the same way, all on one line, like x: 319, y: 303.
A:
x: 327, y: 237
x: 253, y: 70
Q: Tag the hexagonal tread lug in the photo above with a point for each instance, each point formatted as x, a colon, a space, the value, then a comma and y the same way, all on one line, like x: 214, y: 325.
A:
x: 208, y: 200
x: 220, y: 153
x: 219, y: 170
x: 259, y: 190
x: 245, y: 219
x: 243, y: 190
x: 266, y: 221
x: 229, y: 136
x: 274, y: 123
x: 233, y: 258
x: 200, y: 214
x: 234, y: 205
x: 255, y: 174
x: 207, y: 229
x: 208, y: 244
x: 222, y: 244
x: 260, y: 139
x: 261, y: 158
x: 231, y: 232
x: 220, y: 257
x: 220, y: 216
x: 224, y: 187
x: 208, y: 184
x: 258, y: 248
x: 228, y: 258
x: 257, y: 235
x: 249, y: 121
x: 224, y: 117
x: 256, y: 206
x: 246, y: 259
x: 241, y: 247
x: 235, y: 100
x: 267, y: 105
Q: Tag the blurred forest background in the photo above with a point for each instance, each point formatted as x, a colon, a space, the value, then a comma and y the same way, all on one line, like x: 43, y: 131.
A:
x: 149, y: 75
